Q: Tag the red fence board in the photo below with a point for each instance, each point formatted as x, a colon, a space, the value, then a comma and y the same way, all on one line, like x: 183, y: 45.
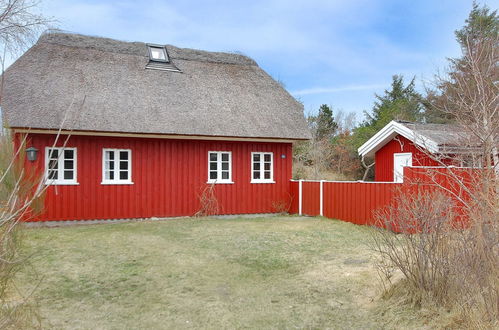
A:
x: 311, y: 198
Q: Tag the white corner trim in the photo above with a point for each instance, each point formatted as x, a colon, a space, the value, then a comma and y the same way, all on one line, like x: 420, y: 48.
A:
x: 389, y: 132
x: 300, y: 196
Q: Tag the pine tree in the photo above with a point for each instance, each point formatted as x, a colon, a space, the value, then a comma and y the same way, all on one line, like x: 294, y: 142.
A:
x: 326, y: 126
x: 399, y: 103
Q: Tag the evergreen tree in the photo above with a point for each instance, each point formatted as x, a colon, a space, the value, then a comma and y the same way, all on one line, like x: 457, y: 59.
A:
x: 325, y: 125
x: 399, y: 103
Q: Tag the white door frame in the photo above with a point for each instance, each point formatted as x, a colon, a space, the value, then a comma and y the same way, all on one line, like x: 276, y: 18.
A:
x: 399, y: 177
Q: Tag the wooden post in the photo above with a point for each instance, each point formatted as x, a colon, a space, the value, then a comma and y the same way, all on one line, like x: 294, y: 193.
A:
x: 300, y: 196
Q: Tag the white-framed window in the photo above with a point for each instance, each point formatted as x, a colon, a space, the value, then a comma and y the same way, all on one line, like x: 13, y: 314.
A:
x: 219, y: 167
x: 157, y: 53
x: 262, y: 167
x: 117, y: 166
x: 60, y: 166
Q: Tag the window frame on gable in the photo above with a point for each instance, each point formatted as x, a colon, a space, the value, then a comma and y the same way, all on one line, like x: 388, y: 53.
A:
x: 165, y: 53
x: 219, y: 168
x: 261, y: 167
x: 61, y: 162
x: 116, y: 170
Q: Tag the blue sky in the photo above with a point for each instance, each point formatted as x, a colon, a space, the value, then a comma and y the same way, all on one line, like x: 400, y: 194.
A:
x: 338, y: 52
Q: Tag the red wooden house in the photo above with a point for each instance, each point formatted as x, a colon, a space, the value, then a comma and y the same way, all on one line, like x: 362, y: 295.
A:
x: 145, y: 128
x: 401, y: 144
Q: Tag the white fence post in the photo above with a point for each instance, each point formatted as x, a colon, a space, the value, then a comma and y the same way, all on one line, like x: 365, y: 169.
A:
x: 300, y: 196
x: 322, y: 198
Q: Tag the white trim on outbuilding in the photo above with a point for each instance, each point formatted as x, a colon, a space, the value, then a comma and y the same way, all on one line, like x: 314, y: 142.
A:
x: 391, y: 130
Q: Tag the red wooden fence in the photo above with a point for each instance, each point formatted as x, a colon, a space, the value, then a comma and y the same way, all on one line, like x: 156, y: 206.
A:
x: 358, y: 201
x: 348, y: 201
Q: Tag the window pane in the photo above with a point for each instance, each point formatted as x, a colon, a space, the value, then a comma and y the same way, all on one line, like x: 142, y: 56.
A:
x: 53, y: 153
x: 213, y: 175
x: 158, y: 53
x: 225, y: 175
x: 123, y: 175
x: 123, y: 165
x: 68, y: 175
x: 110, y: 155
x: 68, y: 154
x: 213, y: 166
x: 256, y: 175
x: 225, y: 166
x: 52, y: 175
x: 266, y: 157
x: 256, y: 157
x: 267, y: 175
x: 225, y: 157
x: 53, y: 164
x: 213, y: 157
x: 266, y: 167
x: 111, y: 175
x: 123, y: 155
x: 256, y: 166
x: 68, y: 164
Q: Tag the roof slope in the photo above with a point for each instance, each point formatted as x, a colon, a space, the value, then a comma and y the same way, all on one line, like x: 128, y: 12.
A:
x: 98, y: 84
x: 436, y: 138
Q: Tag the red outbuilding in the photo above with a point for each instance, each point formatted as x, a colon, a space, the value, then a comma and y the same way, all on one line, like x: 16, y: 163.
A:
x: 135, y: 130
x: 400, y: 144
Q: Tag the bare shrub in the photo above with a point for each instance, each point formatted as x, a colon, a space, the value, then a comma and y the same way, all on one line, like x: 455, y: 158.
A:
x: 21, y: 195
x: 282, y: 206
x: 208, y: 202
x: 421, y: 252
x: 441, y: 260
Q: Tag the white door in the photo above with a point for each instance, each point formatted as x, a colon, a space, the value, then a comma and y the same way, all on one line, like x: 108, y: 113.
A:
x: 399, y: 161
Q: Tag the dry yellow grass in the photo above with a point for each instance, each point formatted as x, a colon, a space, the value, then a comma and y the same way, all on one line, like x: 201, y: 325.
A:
x: 278, y: 272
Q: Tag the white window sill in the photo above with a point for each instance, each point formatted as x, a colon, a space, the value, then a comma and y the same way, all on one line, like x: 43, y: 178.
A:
x: 220, y: 182
x: 116, y: 183
x: 61, y: 183
x: 262, y: 181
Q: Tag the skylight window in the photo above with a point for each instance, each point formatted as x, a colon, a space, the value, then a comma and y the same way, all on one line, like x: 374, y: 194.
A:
x: 158, y: 53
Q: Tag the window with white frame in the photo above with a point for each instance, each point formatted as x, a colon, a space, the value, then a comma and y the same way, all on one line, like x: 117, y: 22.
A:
x: 60, y: 166
x: 116, y: 166
x: 219, y: 167
x: 262, y: 170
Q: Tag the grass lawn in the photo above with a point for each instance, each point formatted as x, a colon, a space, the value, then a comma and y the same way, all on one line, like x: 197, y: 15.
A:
x: 277, y: 272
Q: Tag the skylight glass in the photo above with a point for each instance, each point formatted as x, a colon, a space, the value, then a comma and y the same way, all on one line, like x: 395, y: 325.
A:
x: 157, y: 53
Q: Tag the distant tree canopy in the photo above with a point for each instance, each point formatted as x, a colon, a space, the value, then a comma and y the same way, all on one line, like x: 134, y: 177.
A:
x: 399, y: 103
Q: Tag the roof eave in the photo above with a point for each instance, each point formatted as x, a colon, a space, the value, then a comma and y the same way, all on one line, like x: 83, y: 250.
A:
x: 391, y: 130
x: 158, y: 135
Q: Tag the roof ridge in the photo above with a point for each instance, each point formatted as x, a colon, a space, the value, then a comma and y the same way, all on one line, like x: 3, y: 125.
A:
x: 138, y: 48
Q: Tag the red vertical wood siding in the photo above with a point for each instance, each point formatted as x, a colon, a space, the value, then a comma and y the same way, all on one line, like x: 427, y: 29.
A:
x: 294, y: 193
x: 358, y: 202
x: 168, y: 176
x: 384, y: 158
x: 354, y: 202
x: 311, y: 198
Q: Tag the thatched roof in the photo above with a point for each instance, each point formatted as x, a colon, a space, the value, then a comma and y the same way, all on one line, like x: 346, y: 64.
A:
x: 101, y: 84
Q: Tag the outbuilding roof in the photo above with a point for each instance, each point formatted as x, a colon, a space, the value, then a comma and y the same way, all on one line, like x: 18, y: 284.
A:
x: 86, y: 83
x: 436, y: 138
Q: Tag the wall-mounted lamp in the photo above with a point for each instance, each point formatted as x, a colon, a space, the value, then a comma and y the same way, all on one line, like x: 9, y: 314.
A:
x: 283, y: 156
x: 32, y: 153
